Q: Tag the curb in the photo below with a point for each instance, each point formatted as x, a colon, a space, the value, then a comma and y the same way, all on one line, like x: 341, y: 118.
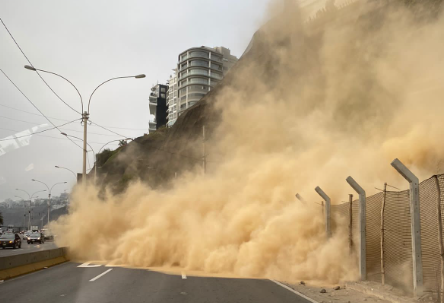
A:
x: 29, y: 268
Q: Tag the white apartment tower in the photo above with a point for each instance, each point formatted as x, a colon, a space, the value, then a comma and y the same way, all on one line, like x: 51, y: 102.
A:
x: 199, y: 69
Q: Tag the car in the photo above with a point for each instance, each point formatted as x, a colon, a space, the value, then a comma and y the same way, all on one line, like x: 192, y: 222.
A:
x: 25, y: 236
x: 47, y: 234
x: 10, y: 240
x: 36, y: 237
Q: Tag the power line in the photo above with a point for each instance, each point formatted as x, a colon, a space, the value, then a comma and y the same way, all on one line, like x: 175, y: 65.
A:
x: 35, y: 105
x: 77, y: 131
x: 29, y: 61
x: 109, y: 130
x: 37, y: 132
x: 20, y: 110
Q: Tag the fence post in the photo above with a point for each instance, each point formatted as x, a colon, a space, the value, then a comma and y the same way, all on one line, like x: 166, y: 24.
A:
x: 299, y: 197
x: 384, y: 196
x: 350, y: 222
x: 362, y: 227
x: 415, y: 225
x: 327, y: 211
x: 441, y: 245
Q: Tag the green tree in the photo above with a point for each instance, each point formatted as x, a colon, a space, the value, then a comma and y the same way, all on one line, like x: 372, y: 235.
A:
x: 1, y: 218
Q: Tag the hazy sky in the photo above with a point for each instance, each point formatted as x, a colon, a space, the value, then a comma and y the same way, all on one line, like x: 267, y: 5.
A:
x: 89, y: 42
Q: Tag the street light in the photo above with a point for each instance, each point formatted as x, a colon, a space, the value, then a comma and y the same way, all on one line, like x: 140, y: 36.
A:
x: 94, y: 153
x: 49, y: 190
x: 85, y: 114
x: 75, y: 176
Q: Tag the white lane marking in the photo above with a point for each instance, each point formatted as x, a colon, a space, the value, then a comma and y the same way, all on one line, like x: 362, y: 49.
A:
x: 87, y: 264
x: 101, y: 275
x: 294, y: 291
x: 184, y: 276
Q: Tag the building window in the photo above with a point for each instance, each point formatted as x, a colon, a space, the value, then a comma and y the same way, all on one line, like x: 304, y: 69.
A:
x: 200, y: 63
x: 198, y: 71
x: 216, y: 75
x: 162, y: 96
x: 198, y: 80
x: 216, y: 66
x: 199, y: 54
x: 216, y: 57
x: 196, y: 96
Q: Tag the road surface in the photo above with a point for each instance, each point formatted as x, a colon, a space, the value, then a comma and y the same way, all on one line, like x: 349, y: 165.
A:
x: 26, y: 248
x: 70, y: 283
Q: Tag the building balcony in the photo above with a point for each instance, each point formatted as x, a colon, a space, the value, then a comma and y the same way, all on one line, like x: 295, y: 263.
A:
x: 152, y: 125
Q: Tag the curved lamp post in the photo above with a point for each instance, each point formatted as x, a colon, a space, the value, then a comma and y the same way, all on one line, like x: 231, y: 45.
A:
x: 85, y: 114
x: 75, y: 176
x: 94, y: 153
x: 49, y: 190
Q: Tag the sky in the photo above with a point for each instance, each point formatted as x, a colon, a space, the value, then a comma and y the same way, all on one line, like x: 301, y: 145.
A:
x: 89, y: 42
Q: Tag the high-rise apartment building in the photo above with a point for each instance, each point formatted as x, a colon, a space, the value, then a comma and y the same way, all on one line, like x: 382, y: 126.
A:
x: 172, y: 99
x: 158, y: 107
x: 199, y: 69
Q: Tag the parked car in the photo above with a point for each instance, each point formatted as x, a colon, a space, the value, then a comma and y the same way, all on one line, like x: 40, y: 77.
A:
x: 36, y: 237
x: 47, y: 234
x: 10, y: 240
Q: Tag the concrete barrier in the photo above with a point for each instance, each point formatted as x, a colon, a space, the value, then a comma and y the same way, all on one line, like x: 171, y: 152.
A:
x: 13, y: 266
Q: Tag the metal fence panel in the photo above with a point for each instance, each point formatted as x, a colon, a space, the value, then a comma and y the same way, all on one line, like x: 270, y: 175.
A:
x: 428, y: 197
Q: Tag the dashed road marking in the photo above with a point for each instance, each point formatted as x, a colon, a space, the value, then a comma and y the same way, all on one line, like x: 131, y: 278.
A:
x: 101, y: 275
x: 87, y: 264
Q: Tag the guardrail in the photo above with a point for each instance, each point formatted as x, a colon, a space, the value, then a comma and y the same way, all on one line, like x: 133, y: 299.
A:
x: 13, y: 266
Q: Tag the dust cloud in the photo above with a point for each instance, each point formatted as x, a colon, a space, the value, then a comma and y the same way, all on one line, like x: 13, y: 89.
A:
x: 313, y: 101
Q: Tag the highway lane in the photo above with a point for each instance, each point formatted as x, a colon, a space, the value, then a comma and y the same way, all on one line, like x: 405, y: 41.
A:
x: 69, y: 283
x: 26, y: 248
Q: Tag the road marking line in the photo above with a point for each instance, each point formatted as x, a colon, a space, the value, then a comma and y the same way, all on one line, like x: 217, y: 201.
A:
x: 294, y: 291
x: 184, y: 276
x: 102, y: 274
x: 87, y: 264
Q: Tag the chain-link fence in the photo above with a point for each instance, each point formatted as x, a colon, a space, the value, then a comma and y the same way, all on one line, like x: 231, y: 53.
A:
x: 397, y: 247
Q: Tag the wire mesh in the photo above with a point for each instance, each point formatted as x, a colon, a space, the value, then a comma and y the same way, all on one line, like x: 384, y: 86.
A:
x: 428, y: 199
x: 373, y: 238
x: 397, y: 234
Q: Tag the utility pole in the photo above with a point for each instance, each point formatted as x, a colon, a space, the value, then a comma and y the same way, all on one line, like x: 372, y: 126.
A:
x: 204, y: 156
x: 49, y: 204
x: 85, y: 117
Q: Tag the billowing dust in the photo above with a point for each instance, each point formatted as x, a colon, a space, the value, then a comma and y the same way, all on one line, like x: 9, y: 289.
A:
x: 310, y: 104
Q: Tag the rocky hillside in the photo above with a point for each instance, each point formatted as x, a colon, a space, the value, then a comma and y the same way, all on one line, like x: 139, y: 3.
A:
x: 156, y: 158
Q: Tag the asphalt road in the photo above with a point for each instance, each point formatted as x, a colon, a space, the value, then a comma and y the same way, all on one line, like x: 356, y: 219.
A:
x: 70, y: 283
x: 26, y: 248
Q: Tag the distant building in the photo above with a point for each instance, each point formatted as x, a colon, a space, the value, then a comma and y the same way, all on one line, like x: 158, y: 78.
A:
x: 158, y: 107
x: 172, y: 99
x: 199, y: 69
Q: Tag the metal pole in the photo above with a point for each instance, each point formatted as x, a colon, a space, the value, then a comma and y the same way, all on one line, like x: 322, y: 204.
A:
x: 204, y: 157
x: 49, y: 205
x: 85, y: 125
x: 362, y: 227
x: 350, y: 222
x: 441, y: 245
x: 415, y: 224
x: 383, y: 234
x: 327, y: 210
x: 299, y: 197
